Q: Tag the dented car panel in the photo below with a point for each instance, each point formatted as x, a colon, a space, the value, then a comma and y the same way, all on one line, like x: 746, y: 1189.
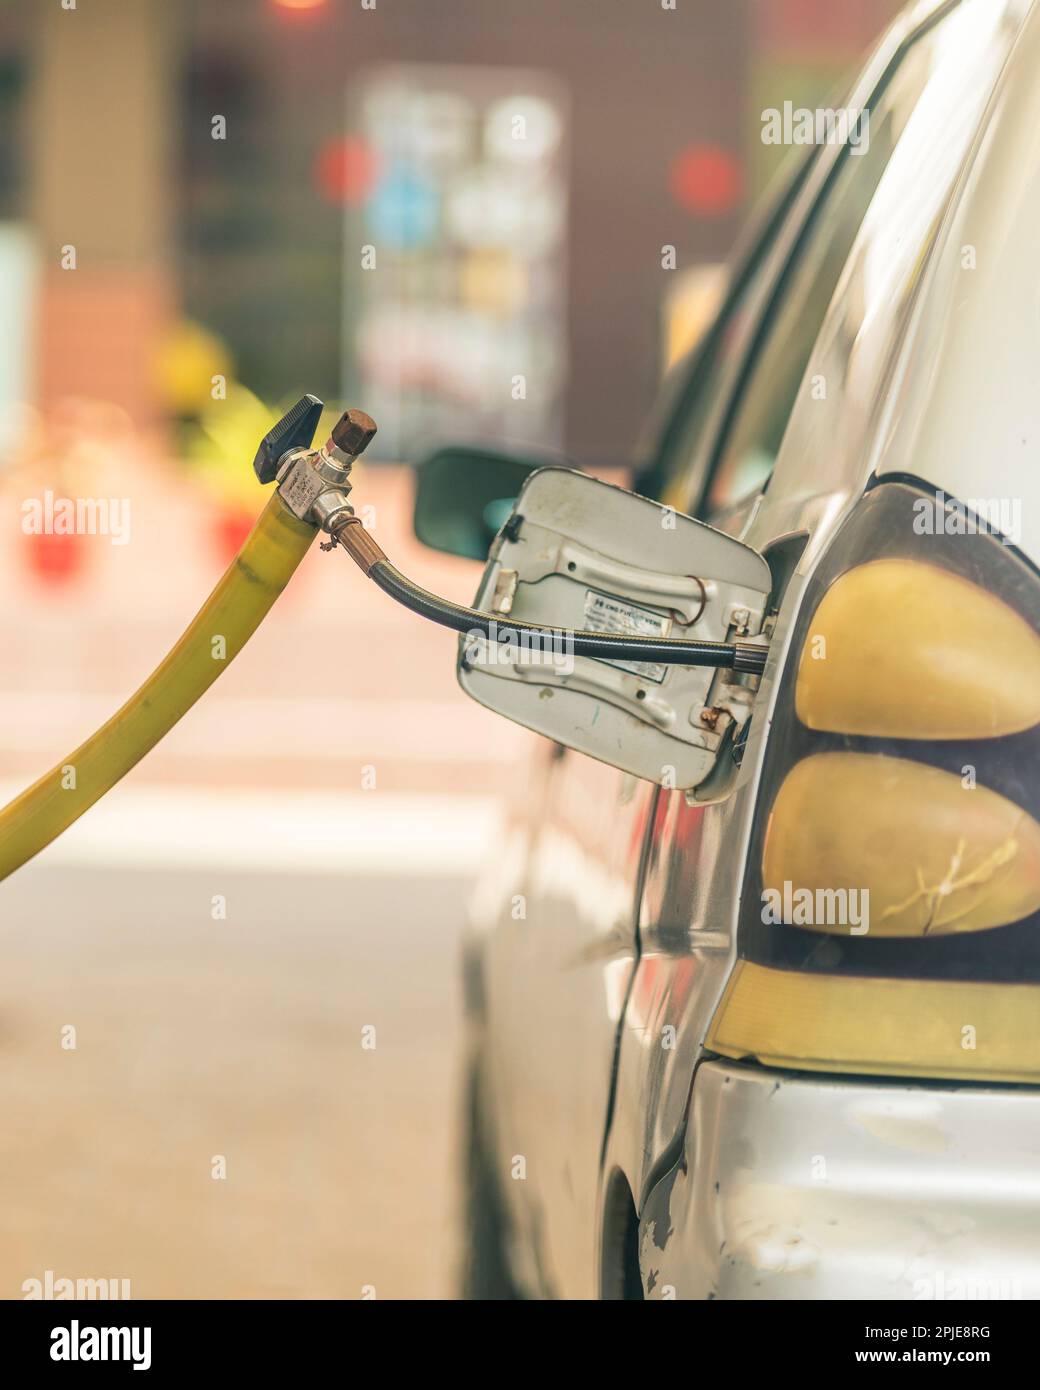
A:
x: 796, y: 1187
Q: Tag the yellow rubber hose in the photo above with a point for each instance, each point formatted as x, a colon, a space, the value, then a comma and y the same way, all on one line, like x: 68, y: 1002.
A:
x: 222, y: 627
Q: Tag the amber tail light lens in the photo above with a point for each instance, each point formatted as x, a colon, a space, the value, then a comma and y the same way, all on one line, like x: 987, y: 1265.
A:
x: 890, y: 918
x: 931, y: 854
x: 903, y: 649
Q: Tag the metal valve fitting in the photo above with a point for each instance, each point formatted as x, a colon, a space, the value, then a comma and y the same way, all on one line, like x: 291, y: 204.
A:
x: 314, y: 483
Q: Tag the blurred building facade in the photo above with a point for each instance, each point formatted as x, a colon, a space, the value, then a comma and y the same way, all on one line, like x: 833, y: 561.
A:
x: 205, y: 162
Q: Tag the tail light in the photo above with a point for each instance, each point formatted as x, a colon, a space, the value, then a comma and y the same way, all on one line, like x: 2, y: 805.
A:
x: 890, y: 916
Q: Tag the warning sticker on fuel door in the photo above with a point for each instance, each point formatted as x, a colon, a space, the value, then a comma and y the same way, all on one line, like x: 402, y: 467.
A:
x: 607, y: 613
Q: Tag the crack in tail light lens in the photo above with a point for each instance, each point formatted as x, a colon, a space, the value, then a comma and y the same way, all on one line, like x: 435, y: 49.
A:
x: 929, y: 855
x: 903, y: 766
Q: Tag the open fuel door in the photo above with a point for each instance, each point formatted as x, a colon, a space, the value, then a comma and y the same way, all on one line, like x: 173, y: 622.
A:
x: 580, y: 554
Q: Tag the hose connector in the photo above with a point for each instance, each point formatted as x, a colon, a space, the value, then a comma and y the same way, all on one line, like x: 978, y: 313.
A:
x: 314, y: 483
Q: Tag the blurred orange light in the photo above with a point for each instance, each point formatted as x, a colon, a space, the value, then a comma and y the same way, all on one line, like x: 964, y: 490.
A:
x: 298, y: 4
x: 706, y: 179
x: 345, y: 170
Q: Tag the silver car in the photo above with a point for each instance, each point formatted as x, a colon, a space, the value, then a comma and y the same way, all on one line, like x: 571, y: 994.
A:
x: 768, y: 1026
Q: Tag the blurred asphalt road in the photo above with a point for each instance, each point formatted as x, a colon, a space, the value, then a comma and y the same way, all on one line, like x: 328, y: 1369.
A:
x: 239, y: 1037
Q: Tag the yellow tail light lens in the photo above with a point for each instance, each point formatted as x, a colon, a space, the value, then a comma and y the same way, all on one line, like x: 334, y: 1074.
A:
x: 890, y: 911
x: 959, y: 1029
x: 932, y: 854
x: 903, y: 649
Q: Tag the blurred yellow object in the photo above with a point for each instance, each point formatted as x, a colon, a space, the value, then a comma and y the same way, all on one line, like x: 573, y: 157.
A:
x: 226, y: 433
x: 901, y: 649
x: 495, y: 282
x: 690, y: 307
x: 229, y: 617
x: 192, y: 362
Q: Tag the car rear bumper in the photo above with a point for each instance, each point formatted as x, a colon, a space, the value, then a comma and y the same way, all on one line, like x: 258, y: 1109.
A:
x: 807, y: 1187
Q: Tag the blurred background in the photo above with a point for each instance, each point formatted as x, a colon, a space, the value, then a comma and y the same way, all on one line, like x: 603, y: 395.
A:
x: 483, y: 221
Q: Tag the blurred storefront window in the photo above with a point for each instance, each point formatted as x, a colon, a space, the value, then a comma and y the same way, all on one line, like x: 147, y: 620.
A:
x: 455, y: 303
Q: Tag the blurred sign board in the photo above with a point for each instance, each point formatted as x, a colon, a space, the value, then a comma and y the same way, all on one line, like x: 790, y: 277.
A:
x: 455, y: 255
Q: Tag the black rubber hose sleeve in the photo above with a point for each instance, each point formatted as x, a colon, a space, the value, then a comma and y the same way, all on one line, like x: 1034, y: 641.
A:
x: 604, y: 646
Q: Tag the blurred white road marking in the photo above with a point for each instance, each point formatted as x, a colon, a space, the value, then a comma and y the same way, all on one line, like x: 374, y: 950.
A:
x: 241, y: 726
x: 388, y: 833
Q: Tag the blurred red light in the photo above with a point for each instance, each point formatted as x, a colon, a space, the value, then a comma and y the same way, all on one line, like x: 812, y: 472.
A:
x: 345, y: 169
x: 707, y: 180
x: 54, y: 559
x: 299, y: 4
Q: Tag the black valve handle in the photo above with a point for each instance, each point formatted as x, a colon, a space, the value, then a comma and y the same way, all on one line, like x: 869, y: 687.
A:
x: 295, y: 430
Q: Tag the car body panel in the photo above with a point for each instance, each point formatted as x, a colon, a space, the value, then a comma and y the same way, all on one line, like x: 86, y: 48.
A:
x: 796, y: 1187
x: 691, y: 897
x: 598, y: 1003
x: 968, y: 409
x: 556, y: 972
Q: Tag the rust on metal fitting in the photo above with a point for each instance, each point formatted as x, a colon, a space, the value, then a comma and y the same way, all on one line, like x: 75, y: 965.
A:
x: 350, y: 533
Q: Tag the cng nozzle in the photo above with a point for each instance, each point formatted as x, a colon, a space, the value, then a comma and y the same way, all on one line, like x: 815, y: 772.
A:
x: 314, y: 485
x: 294, y: 432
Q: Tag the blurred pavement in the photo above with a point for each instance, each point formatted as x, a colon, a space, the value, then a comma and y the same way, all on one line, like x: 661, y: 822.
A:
x: 240, y: 1038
